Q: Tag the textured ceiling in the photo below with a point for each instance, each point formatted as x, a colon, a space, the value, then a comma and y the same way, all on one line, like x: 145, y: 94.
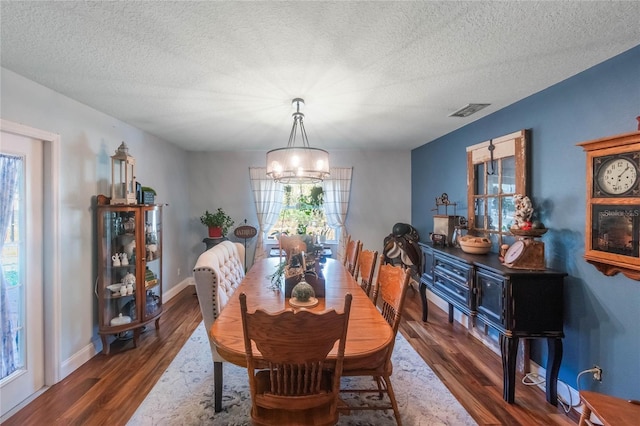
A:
x: 374, y: 75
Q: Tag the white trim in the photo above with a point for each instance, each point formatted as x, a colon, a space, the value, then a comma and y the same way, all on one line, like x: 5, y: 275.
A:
x: 52, y: 308
x: 76, y: 360
x: 173, y: 291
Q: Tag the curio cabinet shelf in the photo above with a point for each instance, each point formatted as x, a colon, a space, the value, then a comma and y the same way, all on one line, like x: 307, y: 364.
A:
x: 129, y: 284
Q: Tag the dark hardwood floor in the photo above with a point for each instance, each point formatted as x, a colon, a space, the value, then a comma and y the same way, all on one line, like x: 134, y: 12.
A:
x: 108, y: 389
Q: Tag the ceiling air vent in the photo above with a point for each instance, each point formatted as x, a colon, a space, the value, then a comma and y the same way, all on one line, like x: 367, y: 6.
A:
x: 468, y: 109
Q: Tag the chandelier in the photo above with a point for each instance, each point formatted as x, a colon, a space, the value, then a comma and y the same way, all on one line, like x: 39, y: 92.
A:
x: 298, y: 164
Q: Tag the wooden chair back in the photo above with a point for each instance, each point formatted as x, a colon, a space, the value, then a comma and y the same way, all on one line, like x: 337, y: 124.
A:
x: 346, y: 244
x: 391, y: 288
x: 354, y: 247
x: 367, y: 262
x: 290, y: 380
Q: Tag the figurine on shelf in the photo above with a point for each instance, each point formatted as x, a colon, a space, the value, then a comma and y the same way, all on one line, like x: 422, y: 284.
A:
x: 524, y: 225
x: 116, y: 259
x: 124, y: 260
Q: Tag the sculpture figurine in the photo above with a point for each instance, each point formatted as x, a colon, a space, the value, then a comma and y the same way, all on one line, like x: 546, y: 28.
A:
x: 524, y: 210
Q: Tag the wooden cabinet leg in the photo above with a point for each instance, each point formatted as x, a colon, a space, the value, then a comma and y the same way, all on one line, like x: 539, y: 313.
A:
x: 157, y: 324
x: 425, y: 305
x: 105, y: 344
x: 553, y: 367
x: 509, y: 351
x: 136, y: 336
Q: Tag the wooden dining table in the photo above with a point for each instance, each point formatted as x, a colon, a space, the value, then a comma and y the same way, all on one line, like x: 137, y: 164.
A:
x: 368, y: 334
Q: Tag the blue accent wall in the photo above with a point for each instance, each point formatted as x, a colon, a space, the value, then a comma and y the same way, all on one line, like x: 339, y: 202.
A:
x: 602, y: 314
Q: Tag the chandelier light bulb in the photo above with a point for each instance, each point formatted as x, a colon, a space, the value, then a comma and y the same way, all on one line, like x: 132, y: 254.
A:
x: 298, y: 164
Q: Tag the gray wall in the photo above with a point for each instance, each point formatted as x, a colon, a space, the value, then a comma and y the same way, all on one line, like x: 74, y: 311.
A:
x: 88, y: 138
x: 187, y: 182
x: 380, y: 192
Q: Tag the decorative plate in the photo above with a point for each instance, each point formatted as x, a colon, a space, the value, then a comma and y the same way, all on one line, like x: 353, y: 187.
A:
x: 308, y: 304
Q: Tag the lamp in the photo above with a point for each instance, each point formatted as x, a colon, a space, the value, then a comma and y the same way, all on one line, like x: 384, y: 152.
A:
x: 298, y: 164
x: 123, y: 178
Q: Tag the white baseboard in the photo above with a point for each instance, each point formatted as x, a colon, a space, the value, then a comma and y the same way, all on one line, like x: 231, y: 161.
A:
x: 72, y: 363
x: 173, y: 291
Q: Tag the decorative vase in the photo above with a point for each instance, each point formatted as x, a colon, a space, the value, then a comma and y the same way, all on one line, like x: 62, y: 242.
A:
x: 215, y: 232
x: 302, y: 291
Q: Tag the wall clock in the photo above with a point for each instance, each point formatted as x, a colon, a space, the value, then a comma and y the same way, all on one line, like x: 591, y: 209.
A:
x: 612, y: 232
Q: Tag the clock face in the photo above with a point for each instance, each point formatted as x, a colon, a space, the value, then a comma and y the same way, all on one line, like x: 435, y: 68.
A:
x: 514, y: 252
x: 617, y: 176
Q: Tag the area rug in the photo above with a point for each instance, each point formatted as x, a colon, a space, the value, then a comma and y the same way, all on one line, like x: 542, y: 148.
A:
x: 184, y: 393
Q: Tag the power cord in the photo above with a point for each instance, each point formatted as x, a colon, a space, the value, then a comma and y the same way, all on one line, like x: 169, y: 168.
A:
x: 535, y: 379
x: 590, y: 370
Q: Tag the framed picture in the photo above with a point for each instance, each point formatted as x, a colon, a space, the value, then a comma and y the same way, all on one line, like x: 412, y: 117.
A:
x: 616, y: 229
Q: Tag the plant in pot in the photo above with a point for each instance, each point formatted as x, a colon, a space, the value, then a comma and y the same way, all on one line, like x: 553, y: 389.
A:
x: 218, y: 222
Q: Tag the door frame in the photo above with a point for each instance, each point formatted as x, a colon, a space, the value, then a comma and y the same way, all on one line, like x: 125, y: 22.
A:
x: 51, y: 246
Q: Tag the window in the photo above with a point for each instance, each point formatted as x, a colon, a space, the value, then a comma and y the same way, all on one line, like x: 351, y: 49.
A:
x: 303, y: 213
x: 496, y: 171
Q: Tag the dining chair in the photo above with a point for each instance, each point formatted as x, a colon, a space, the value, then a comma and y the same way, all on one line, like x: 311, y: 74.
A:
x: 354, y: 247
x: 391, y: 287
x: 366, y: 268
x: 291, y: 382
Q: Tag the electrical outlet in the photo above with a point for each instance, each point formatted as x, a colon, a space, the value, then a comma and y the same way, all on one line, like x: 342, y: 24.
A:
x: 178, y: 271
x: 597, y: 373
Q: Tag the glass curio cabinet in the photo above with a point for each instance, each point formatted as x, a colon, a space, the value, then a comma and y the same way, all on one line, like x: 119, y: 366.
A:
x: 129, y: 284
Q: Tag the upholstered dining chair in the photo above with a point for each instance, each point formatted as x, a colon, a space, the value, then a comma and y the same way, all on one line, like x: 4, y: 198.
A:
x: 354, y: 247
x: 391, y: 287
x: 292, y: 383
x: 366, y: 268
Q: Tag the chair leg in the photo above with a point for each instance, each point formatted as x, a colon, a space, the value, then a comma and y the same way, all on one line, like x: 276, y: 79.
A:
x: 217, y: 386
x: 380, y: 388
x: 392, y: 397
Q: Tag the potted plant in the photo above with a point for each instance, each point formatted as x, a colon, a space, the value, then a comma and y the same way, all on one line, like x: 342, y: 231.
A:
x: 218, y: 222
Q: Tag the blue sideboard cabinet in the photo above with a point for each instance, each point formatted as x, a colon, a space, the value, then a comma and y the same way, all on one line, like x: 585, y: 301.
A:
x: 517, y: 303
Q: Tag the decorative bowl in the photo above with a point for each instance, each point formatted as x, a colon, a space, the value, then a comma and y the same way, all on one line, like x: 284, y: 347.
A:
x: 474, y: 245
x: 115, y: 288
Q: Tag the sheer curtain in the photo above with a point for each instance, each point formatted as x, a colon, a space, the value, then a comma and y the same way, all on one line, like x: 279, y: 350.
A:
x: 336, y: 203
x: 9, y: 168
x: 267, y: 195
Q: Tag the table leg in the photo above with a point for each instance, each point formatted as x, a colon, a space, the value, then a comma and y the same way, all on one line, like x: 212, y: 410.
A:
x: 450, y: 313
x: 217, y: 386
x: 509, y: 351
x: 553, y: 367
x: 423, y: 297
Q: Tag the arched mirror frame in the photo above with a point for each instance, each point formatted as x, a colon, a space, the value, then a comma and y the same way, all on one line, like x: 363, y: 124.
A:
x: 496, y: 170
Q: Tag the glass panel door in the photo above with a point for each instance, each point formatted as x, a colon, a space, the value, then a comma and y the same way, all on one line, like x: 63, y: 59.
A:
x: 21, y: 270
